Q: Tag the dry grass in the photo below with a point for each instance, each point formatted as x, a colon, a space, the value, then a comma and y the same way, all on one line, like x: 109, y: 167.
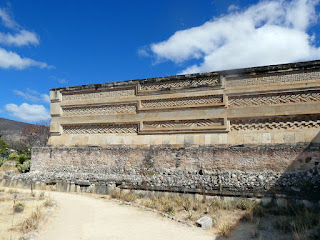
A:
x: 289, y: 222
x: 48, y: 202
x: 19, y: 213
x: 225, y: 214
x: 32, y: 222
x: 225, y: 229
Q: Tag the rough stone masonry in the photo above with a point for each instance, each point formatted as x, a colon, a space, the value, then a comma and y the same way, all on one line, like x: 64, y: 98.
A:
x: 251, y: 131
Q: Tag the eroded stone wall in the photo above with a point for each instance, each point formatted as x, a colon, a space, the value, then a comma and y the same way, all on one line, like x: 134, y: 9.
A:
x: 293, y: 170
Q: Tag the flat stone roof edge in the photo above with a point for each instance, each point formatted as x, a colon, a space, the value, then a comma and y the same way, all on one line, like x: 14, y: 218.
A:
x: 260, y: 69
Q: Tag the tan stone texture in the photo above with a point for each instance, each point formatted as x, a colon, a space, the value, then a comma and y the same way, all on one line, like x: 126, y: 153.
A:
x: 264, y: 105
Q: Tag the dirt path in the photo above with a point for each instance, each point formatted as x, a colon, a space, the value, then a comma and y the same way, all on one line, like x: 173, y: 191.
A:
x: 82, y: 217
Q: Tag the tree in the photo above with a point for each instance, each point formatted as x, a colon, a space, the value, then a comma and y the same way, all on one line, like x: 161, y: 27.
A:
x: 37, y: 135
x: 3, y: 146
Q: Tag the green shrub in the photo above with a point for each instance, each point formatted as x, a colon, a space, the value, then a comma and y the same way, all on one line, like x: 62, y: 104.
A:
x: 19, y: 207
x: 3, y: 146
x: 25, y: 167
x: 22, y: 158
x: 14, y: 156
x: 2, y: 161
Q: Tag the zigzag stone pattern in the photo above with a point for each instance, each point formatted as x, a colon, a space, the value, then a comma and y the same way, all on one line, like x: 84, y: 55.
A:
x: 185, y: 123
x: 283, y: 78
x: 100, y: 129
x: 276, y: 123
x: 100, y: 110
x: 186, y: 101
x: 179, y: 84
x: 96, y: 95
x: 270, y: 99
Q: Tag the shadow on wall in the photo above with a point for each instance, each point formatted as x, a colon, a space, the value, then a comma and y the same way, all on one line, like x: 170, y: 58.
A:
x: 287, y: 208
x: 303, y: 175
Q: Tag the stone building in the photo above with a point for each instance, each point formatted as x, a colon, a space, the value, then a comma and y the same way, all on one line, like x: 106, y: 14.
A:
x: 230, y: 131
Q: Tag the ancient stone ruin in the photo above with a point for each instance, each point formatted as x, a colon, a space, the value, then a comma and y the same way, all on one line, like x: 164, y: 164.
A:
x: 251, y: 131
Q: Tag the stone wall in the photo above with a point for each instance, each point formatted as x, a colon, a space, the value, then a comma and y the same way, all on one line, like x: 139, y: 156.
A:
x: 250, y: 131
x: 255, y: 170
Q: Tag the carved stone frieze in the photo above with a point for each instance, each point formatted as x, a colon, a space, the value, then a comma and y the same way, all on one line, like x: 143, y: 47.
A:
x: 279, y: 78
x: 199, y: 123
x: 276, y: 98
x: 100, y: 128
x: 157, y: 86
x: 97, y: 95
x: 276, y: 123
x: 186, y: 101
x: 100, y: 110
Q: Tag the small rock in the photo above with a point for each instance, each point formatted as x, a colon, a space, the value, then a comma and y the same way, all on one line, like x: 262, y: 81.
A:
x: 204, y: 222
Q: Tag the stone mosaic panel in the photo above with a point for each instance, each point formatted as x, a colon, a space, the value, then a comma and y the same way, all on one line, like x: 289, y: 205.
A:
x: 100, y: 128
x: 180, y: 102
x: 279, y: 78
x: 97, y: 95
x: 270, y: 99
x: 157, y: 86
x: 100, y: 110
x: 276, y: 123
x: 201, y: 123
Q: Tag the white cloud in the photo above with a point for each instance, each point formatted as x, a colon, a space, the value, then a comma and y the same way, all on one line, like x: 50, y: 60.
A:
x: 143, y: 51
x: 269, y: 32
x: 233, y: 7
x: 33, y: 96
x: 10, y: 59
x: 45, y: 98
x: 21, y: 38
x: 60, y: 80
x: 7, y: 20
x: 27, y: 112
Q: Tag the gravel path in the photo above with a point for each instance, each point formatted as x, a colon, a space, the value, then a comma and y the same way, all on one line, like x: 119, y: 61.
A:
x: 82, y: 217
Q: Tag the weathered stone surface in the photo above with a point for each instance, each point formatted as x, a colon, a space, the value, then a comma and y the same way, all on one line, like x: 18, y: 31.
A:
x: 250, y: 131
x: 263, y: 105
x: 204, y: 222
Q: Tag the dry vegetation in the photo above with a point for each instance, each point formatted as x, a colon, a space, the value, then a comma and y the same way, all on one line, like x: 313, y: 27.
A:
x: 286, y: 222
x: 21, y: 213
x: 225, y: 214
x: 234, y: 219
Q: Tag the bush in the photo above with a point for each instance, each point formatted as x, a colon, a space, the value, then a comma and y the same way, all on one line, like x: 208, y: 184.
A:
x: 243, y: 204
x: 14, y: 156
x: 2, y: 161
x: 25, y: 167
x: 169, y: 209
x: 3, y: 146
x: 22, y: 158
x: 48, y: 203
x: 19, y: 207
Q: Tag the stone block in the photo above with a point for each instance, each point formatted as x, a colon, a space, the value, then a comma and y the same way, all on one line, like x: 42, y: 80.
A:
x: 204, y: 222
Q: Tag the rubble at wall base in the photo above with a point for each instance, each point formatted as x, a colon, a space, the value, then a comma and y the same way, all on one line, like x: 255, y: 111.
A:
x: 252, y: 171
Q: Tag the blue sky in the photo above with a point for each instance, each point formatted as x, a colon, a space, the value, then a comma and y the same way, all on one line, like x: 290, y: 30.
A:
x: 50, y: 44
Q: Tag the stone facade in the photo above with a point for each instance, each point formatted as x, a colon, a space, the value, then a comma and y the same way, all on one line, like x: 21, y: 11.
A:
x: 249, y: 130
x: 263, y: 105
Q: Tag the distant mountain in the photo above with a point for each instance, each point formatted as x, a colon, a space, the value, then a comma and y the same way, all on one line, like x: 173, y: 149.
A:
x: 11, y: 129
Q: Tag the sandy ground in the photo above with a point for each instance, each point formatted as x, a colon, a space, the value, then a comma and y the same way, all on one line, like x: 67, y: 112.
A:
x: 81, y: 217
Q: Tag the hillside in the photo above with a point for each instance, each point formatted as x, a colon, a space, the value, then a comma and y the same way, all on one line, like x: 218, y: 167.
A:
x: 11, y: 129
